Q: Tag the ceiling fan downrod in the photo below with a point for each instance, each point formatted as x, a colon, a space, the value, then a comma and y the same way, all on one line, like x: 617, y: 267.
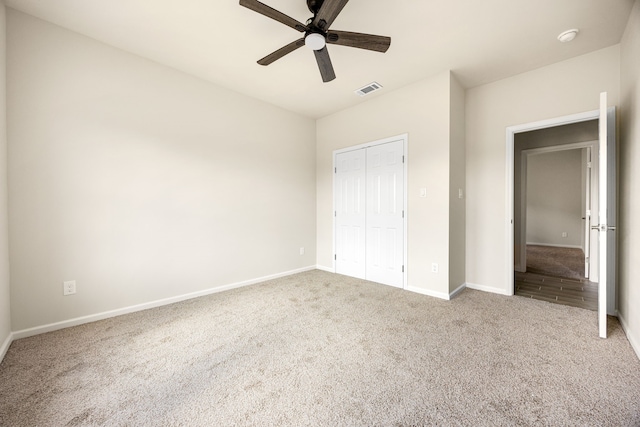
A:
x: 314, y: 6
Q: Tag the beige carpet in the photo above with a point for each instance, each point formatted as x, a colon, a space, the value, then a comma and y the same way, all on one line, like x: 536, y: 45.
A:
x: 321, y: 349
x: 555, y: 261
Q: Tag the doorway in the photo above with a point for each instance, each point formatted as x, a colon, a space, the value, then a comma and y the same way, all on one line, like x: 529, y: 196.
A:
x: 607, y: 204
x: 369, y: 211
x: 557, y: 192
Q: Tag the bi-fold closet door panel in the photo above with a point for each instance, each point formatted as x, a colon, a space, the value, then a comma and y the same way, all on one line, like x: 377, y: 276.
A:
x: 369, y: 213
x: 384, y: 214
x: 350, y: 214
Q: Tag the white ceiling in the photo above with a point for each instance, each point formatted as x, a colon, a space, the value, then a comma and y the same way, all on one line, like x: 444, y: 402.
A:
x: 218, y: 40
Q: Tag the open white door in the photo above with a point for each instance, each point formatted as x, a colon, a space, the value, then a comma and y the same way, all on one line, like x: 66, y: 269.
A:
x: 607, y: 215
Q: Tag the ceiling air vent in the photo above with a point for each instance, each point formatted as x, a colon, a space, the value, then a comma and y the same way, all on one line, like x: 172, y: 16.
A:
x: 371, y: 87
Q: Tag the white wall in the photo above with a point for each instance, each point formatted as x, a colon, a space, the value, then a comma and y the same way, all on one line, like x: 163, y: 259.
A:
x: 423, y: 111
x: 554, y: 198
x: 140, y: 182
x: 560, y: 89
x: 629, y: 208
x: 5, y: 294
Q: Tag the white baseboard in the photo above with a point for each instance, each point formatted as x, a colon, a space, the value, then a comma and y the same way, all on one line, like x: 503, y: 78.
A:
x: 323, y: 268
x: 457, y: 290
x: 488, y: 289
x: 427, y: 292
x: 441, y: 295
x: 554, y: 245
x: 633, y: 340
x: 5, y: 346
x: 139, y: 307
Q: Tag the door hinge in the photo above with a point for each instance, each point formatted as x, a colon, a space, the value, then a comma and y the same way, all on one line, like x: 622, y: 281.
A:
x: 335, y: 213
x: 335, y: 170
x: 402, y: 214
x: 335, y: 257
x: 403, y: 268
x: 402, y: 159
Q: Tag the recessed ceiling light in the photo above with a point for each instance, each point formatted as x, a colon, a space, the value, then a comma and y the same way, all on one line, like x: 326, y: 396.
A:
x: 568, y: 35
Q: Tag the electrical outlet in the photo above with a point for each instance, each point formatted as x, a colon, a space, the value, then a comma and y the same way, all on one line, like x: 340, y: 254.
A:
x: 69, y: 288
x: 564, y: 234
x: 434, y: 267
x: 302, y: 250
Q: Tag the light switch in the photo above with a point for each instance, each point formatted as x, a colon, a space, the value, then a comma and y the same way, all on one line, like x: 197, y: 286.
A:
x: 423, y: 192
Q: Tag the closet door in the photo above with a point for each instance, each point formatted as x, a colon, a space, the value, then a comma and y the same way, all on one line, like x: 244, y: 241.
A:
x: 384, y: 213
x: 350, y: 213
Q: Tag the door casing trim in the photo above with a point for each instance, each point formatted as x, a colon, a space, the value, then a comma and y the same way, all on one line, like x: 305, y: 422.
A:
x: 511, y: 131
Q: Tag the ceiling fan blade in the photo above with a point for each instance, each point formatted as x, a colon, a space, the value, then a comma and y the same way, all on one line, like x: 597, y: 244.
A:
x: 281, y: 52
x: 324, y: 63
x: 359, y: 40
x: 270, y: 12
x: 328, y: 13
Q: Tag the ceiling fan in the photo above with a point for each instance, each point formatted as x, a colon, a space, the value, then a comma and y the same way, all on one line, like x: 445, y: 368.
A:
x: 317, y: 34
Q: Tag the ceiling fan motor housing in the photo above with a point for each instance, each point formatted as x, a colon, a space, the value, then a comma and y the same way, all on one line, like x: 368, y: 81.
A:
x: 314, y: 5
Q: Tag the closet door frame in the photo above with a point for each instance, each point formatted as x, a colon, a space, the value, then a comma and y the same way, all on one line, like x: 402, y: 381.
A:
x: 405, y: 143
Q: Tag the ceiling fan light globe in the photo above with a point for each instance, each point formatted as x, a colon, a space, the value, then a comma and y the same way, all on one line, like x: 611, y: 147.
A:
x: 315, y: 41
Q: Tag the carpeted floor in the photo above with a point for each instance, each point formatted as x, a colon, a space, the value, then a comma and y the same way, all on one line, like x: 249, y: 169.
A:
x: 555, y: 261
x: 322, y: 349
